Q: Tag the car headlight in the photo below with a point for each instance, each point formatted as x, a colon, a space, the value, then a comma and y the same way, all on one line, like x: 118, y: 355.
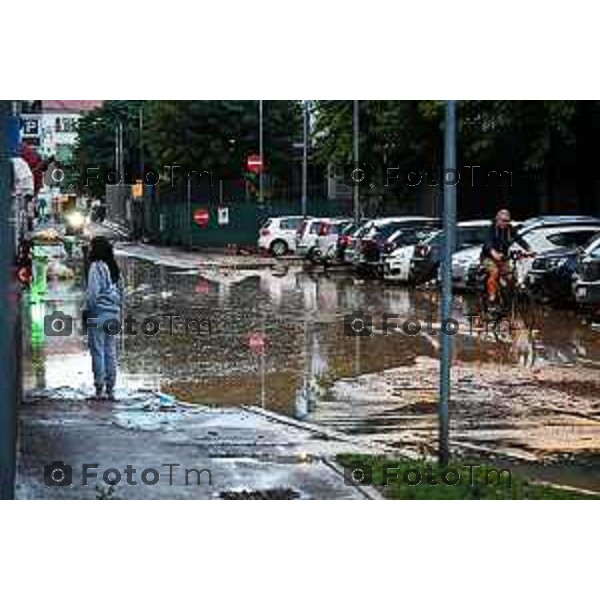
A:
x: 76, y: 219
x: 555, y: 263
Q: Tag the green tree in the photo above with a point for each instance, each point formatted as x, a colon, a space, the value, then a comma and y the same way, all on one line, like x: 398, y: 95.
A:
x: 97, y: 141
x: 218, y: 136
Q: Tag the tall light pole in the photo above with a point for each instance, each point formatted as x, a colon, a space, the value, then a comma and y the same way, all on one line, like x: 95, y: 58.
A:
x: 356, y: 157
x: 305, y: 160
x: 142, y: 165
x: 117, y: 161
x: 260, y: 151
x: 448, y: 249
x: 121, y: 153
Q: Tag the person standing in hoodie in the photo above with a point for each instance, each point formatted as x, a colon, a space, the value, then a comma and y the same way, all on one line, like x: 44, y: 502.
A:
x: 103, y: 303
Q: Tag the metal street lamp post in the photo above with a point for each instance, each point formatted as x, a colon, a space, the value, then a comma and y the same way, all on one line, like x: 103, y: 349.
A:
x: 448, y: 249
x: 355, y: 194
x: 305, y: 159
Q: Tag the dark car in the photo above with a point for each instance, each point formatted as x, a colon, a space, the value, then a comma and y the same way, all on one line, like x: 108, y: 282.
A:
x: 587, y: 278
x: 409, y: 237
x: 550, y: 278
x: 345, y: 239
x: 428, y: 253
x: 373, y: 243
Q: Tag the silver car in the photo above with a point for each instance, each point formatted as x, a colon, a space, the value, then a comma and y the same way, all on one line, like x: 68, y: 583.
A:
x: 308, y: 237
x: 327, y: 242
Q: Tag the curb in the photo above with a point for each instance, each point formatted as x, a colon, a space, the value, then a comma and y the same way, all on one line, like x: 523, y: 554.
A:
x: 328, y: 433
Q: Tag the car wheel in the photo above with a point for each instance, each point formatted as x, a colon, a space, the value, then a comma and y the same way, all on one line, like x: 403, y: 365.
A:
x: 313, y: 255
x: 278, y: 248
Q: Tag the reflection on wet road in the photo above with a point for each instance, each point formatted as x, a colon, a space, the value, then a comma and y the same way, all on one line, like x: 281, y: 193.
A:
x: 529, y: 392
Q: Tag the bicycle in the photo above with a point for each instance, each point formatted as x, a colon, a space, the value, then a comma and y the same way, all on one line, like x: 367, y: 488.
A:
x: 513, y: 300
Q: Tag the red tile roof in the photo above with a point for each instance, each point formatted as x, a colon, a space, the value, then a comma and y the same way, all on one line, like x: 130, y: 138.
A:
x: 70, y: 105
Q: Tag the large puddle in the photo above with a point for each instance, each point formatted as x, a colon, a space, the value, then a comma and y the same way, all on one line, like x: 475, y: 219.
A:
x: 383, y: 387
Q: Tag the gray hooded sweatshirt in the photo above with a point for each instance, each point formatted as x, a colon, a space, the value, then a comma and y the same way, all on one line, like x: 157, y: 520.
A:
x: 103, y: 297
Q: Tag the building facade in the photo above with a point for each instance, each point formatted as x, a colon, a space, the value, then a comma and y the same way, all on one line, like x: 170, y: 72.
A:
x: 50, y: 126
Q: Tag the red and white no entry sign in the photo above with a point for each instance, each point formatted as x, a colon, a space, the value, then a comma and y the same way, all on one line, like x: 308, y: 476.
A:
x: 255, y: 163
x: 257, y: 341
x: 201, y: 217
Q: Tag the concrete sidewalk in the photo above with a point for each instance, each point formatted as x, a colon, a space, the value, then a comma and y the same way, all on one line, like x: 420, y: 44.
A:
x: 195, y: 258
x: 244, y: 450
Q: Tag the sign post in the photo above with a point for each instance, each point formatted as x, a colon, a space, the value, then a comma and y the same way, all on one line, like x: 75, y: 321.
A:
x: 305, y: 158
x: 356, y: 132
x: 257, y: 342
x: 448, y: 249
x: 261, y: 196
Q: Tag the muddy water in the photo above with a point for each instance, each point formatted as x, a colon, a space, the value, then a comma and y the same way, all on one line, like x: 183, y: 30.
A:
x: 381, y: 387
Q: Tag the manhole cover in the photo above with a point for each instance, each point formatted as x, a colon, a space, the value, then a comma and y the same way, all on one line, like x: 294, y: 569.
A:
x: 273, y: 494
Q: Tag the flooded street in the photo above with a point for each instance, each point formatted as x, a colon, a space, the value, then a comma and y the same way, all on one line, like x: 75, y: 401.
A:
x: 530, y: 396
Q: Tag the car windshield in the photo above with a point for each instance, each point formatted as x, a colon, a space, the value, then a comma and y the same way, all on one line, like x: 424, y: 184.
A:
x: 434, y: 238
x: 592, y: 241
x: 384, y: 231
x: 571, y: 239
x: 465, y: 236
x: 363, y: 230
x: 409, y: 237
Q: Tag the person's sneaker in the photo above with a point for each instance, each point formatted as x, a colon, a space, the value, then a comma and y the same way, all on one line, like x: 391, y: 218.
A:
x: 99, y: 394
x: 110, y: 394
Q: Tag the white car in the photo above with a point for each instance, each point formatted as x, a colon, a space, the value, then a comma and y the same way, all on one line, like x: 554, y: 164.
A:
x: 397, y: 265
x: 307, y: 237
x: 552, y: 238
x: 327, y: 243
x: 464, y: 267
x: 466, y: 262
x: 278, y: 235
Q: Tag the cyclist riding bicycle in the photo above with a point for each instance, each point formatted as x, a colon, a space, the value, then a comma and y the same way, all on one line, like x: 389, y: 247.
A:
x: 494, y: 255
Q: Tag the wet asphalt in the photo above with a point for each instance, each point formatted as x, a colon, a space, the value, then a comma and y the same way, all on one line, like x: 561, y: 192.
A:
x: 277, y: 337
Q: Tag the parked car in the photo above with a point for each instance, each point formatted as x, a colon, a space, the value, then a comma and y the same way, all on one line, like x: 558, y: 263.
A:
x: 396, y: 266
x: 409, y: 236
x: 550, y: 277
x: 428, y: 253
x: 328, y: 249
x: 307, y: 237
x: 345, y: 238
x: 352, y: 248
x: 586, y: 286
x: 556, y: 221
x: 542, y: 235
x: 373, y: 242
x: 465, y: 264
x: 278, y: 235
x: 543, y: 239
x: 399, y: 251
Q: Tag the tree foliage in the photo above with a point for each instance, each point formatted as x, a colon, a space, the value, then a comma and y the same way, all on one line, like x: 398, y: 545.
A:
x: 215, y: 136
x: 535, y: 139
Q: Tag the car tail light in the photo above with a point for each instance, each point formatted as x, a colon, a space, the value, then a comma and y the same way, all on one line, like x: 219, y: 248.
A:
x: 264, y: 232
x: 389, y: 247
x: 344, y: 240
x: 324, y: 229
x: 423, y: 250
